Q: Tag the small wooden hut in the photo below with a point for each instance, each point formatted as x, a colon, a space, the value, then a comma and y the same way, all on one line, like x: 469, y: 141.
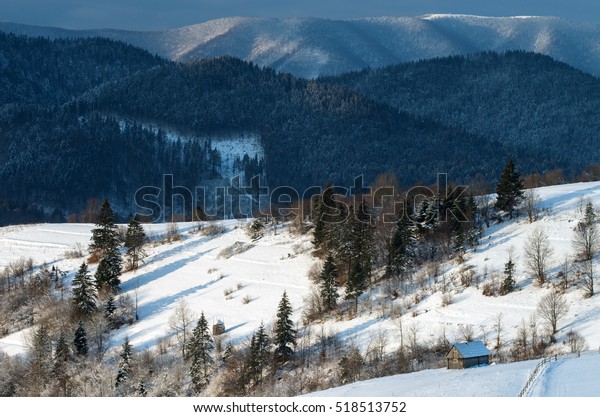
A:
x: 467, y: 355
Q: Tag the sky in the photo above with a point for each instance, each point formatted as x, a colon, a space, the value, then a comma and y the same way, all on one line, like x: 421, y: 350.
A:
x: 163, y: 14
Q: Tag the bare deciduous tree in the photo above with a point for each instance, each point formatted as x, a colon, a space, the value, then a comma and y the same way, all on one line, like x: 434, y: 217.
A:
x: 182, y: 322
x: 538, y: 253
x: 531, y: 203
x: 551, y: 308
x: 586, y: 241
x: 576, y: 342
x: 499, y: 328
x: 586, y: 272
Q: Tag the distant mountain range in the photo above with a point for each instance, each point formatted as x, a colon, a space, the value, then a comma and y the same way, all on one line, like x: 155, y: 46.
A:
x: 309, y: 47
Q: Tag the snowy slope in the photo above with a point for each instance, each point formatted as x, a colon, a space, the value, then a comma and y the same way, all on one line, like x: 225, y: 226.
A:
x: 569, y: 376
x: 193, y: 269
x: 197, y: 270
x: 310, y: 47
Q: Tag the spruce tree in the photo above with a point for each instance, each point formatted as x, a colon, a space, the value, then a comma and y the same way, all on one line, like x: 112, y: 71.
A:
x: 401, y: 247
x: 84, y: 291
x: 60, y: 373
x: 356, y: 284
x: 41, y: 352
x: 285, y: 334
x: 258, y: 356
x: 125, y: 359
x: 80, y: 341
x: 329, y: 293
x: 199, y: 350
x: 509, y: 282
x: 509, y: 189
x: 105, y: 238
x: 590, y: 214
x: 108, y: 273
x: 135, y: 238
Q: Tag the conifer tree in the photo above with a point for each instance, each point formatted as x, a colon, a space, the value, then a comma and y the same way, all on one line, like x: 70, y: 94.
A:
x: 80, y: 341
x: 125, y: 359
x: 509, y: 189
x: 329, y: 292
x: 285, y: 334
x: 401, y: 248
x: 62, y: 355
x: 135, y: 238
x: 142, y: 390
x: 105, y: 238
x: 509, y: 281
x: 84, y: 291
x: 258, y: 356
x: 41, y: 352
x: 199, y: 350
x: 108, y: 272
x: 356, y: 284
x: 590, y: 214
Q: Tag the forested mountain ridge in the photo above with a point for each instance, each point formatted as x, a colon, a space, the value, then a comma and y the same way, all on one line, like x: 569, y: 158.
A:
x: 48, y: 72
x: 518, y: 98
x: 311, y: 132
x: 98, y: 127
x: 312, y: 47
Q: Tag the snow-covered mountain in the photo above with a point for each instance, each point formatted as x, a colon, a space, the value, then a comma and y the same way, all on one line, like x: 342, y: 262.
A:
x: 310, y: 47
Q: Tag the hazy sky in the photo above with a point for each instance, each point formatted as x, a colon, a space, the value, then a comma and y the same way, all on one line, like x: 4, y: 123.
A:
x: 162, y: 14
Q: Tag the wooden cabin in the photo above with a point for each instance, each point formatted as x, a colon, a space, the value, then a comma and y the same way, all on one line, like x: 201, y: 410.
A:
x: 218, y: 328
x: 467, y: 355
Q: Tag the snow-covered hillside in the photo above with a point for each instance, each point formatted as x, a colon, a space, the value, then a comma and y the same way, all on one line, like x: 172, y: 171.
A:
x: 568, y: 376
x: 197, y: 269
x: 310, y: 47
x: 240, y: 281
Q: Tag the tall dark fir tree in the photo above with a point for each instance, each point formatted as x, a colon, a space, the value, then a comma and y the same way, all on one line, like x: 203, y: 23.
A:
x: 328, y: 288
x: 84, y: 291
x: 135, y: 238
x: 105, y: 238
x: 509, y: 189
x: 285, y: 334
x: 199, y: 350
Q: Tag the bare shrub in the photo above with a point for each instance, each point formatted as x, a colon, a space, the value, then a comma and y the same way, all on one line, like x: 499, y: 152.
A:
x: 576, y: 342
x: 213, y: 229
x: 235, y: 249
x: 446, y: 299
x: 314, y: 272
x: 172, y: 234
x: 75, y: 253
x: 467, y: 275
x: 247, y: 299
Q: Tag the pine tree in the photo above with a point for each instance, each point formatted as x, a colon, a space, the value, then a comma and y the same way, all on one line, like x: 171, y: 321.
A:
x: 590, y: 214
x: 125, y: 359
x: 356, y: 284
x: 84, y: 291
x: 199, y: 350
x: 108, y: 272
x: 41, y: 352
x: 105, y: 238
x: 142, y: 390
x: 285, y: 334
x: 62, y: 355
x: 80, y: 341
x: 509, y: 189
x: 135, y: 238
x: 401, y: 247
x: 509, y: 282
x: 259, y: 357
x: 329, y: 293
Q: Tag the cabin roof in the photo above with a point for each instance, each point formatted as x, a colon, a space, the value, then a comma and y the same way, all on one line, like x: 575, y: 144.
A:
x: 472, y: 349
